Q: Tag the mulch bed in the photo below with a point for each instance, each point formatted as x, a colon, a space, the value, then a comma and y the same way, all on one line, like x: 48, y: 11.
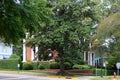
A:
x: 70, y: 71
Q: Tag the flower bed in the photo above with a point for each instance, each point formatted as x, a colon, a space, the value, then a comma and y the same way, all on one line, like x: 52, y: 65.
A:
x: 69, y: 71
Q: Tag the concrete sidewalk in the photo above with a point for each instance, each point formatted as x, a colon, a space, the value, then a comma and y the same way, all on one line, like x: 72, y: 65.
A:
x: 86, y: 77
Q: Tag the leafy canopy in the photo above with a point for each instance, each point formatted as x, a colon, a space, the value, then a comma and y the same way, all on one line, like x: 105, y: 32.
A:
x: 70, y: 32
x: 19, y: 17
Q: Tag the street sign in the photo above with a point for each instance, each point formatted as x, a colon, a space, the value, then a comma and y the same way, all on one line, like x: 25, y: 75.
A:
x: 118, y: 65
x: 96, y: 59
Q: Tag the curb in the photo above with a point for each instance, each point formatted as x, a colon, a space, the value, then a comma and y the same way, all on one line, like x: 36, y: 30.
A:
x: 63, y: 77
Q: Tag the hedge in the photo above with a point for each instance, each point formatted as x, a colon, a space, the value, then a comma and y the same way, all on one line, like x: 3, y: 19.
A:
x: 9, y: 64
x: 39, y: 65
x: 109, y: 72
x: 27, y: 66
x: 76, y: 66
x: 54, y: 65
x: 45, y: 64
x: 35, y: 65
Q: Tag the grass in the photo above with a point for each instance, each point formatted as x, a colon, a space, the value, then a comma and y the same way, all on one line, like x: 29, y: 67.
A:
x: 106, y: 78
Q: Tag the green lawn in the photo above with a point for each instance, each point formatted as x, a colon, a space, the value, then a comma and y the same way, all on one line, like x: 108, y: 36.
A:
x: 107, y: 78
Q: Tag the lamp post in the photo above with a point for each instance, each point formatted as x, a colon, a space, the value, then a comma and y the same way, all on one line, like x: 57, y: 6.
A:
x: 91, y: 53
x: 101, y: 61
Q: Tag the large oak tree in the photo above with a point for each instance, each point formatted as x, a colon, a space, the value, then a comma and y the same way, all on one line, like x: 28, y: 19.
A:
x: 69, y: 34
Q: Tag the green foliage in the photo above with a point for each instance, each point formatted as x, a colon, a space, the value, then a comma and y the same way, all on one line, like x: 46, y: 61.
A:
x: 104, y: 72
x: 17, y: 49
x: 44, y: 65
x: 76, y: 66
x: 35, y: 65
x: 14, y: 56
x: 27, y: 66
x: 54, y: 65
x: 112, y: 62
x: 67, y: 65
x: 109, y: 30
x: 41, y: 66
x: 70, y: 31
x: 17, y: 18
x: 74, y: 57
x: 9, y: 64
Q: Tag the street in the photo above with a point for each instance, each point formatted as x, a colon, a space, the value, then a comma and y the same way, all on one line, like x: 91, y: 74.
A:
x: 5, y: 76
x: 9, y: 76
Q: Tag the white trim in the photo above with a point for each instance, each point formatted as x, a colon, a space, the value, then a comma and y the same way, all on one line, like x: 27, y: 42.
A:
x: 24, y: 51
x: 84, y: 56
x: 32, y: 54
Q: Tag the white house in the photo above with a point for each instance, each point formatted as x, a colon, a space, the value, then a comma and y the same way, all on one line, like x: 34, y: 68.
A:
x: 5, y: 50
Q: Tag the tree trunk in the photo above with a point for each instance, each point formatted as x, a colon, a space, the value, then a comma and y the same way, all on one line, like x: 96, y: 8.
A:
x: 62, y: 72
x: 61, y: 56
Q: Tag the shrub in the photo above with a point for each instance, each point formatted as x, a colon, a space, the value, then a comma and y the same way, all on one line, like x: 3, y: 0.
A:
x: 67, y: 65
x: 14, y: 56
x: 54, y: 65
x: 46, y: 64
x: 9, y: 64
x: 35, y: 65
x: 76, y: 66
x: 41, y: 66
x: 86, y: 67
x: 104, y: 72
x: 27, y: 66
x: 81, y: 66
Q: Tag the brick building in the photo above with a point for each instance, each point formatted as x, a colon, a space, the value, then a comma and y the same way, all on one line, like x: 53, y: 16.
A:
x: 30, y: 53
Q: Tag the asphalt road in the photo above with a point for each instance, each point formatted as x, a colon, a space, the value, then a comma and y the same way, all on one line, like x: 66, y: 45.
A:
x: 5, y: 76
x: 9, y: 76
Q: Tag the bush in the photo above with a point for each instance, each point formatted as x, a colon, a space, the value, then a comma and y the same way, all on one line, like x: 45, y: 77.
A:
x: 35, y: 65
x: 81, y: 67
x: 46, y: 64
x: 76, y: 66
x: 27, y: 66
x: 14, y: 56
x: 9, y: 64
x: 67, y: 65
x: 54, y: 65
x: 104, y: 72
x: 112, y: 63
x: 41, y: 66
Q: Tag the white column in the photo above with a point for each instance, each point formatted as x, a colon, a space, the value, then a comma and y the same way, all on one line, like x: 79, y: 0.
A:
x: 24, y: 51
x: 32, y: 55
x: 88, y: 58
x: 36, y: 50
x: 91, y: 58
x: 84, y: 56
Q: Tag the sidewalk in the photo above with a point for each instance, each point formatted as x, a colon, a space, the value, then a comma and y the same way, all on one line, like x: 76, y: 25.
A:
x: 86, y: 77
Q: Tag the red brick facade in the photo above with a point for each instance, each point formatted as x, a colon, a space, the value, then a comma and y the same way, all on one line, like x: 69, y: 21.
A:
x: 28, y: 53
